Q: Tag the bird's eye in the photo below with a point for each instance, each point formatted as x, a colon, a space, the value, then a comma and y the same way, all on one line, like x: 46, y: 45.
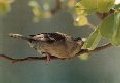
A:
x: 77, y: 39
x: 30, y: 40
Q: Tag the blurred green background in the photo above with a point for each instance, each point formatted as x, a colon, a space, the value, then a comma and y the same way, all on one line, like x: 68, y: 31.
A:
x: 102, y: 67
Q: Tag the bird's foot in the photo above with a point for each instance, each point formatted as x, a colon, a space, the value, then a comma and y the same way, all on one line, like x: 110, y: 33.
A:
x: 48, y: 58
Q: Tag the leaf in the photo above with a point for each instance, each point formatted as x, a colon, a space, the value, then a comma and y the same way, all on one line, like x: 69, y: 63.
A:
x: 116, y: 33
x: 5, y: 6
x: 84, y: 56
x: 71, y: 3
x: 96, y: 5
x: 105, y: 5
x: 110, y: 28
x: 33, y: 3
x: 36, y: 10
x: 80, y: 9
x: 93, y: 40
x: 81, y: 20
x: 107, y: 27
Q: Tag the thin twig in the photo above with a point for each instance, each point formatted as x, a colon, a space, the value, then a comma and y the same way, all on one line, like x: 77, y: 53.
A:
x: 13, y: 60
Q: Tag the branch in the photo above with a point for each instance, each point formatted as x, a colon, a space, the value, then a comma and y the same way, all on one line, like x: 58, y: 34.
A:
x: 104, y: 15
x: 96, y: 49
x: 13, y: 60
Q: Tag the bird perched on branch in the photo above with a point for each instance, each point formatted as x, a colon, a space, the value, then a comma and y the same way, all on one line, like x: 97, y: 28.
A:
x: 53, y: 44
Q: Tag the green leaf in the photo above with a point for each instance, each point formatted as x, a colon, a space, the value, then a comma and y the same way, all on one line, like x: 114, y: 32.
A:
x: 81, y: 9
x: 93, y: 40
x: 96, y: 5
x: 116, y: 33
x: 105, y: 5
x: 107, y: 27
x: 110, y: 28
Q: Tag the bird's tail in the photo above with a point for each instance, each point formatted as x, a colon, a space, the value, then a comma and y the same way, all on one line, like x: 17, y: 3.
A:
x: 19, y: 36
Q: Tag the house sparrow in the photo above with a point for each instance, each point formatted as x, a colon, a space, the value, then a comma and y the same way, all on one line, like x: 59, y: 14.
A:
x: 53, y: 44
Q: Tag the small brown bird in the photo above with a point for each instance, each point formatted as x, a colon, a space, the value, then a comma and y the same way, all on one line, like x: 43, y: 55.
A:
x: 53, y: 44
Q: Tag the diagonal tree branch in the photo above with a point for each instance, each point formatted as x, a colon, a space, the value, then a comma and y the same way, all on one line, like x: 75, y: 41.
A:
x: 13, y: 60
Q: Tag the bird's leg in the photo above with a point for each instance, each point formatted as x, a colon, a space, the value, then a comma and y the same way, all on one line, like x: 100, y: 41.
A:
x: 47, y: 56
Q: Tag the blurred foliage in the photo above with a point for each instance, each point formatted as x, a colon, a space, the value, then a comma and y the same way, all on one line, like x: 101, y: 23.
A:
x: 84, y: 56
x: 97, y: 5
x: 116, y: 7
x: 86, y: 7
x: 80, y: 20
x: 5, y: 6
x: 37, y: 10
x: 80, y: 16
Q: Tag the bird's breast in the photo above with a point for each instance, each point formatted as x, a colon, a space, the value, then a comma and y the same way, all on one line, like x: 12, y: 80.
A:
x: 60, y: 49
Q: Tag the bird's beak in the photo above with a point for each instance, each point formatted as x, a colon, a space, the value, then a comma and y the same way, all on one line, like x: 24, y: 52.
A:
x: 19, y: 36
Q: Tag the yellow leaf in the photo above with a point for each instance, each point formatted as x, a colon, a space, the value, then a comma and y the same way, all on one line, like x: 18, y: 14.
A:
x: 6, y: 1
x: 84, y: 56
x: 71, y: 3
x: 36, y: 12
x: 5, y: 6
x: 92, y: 6
x: 81, y: 20
x: 33, y: 3
x: 80, y: 9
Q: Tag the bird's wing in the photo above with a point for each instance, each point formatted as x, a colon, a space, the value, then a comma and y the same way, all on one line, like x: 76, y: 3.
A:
x: 48, y: 37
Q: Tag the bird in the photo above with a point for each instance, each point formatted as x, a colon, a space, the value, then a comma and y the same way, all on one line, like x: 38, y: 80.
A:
x: 55, y: 44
